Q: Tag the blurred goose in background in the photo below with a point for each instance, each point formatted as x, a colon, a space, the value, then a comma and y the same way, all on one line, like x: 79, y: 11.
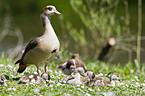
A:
x: 74, y: 78
x: 74, y: 55
x: 41, y: 48
x: 35, y: 78
x: 101, y: 81
x: 2, y: 80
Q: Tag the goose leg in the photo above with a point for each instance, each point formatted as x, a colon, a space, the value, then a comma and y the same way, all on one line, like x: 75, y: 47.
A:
x: 46, y: 66
x: 38, y: 71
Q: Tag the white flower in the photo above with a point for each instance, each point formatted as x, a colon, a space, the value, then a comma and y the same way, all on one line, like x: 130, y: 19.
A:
x: 1, y: 65
x: 90, y: 89
x: 66, y: 94
x: 127, y: 85
x: 50, y: 85
x: 14, y: 89
x: 88, y: 94
x: 9, y: 66
x: 35, y: 73
x: 58, y: 84
x: 121, y: 83
x: 82, y: 86
x: 132, y: 71
x: 99, y: 89
x: 137, y: 83
x: 143, y: 90
x: 101, y: 74
x: 135, y: 77
x: 143, y: 84
x: 9, y: 89
x: 36, y: 90
x: 60, y: 71
x: 56, y: 72
x: 50, y: 71
x: 132, y: 80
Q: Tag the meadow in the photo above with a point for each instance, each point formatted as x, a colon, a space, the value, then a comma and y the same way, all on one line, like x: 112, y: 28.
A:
x: 133, y: 80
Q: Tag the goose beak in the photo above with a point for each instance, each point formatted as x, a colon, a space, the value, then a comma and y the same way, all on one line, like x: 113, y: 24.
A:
x: 56, y: 12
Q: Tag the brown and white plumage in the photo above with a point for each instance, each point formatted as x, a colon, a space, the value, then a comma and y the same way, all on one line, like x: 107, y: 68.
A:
x: 35, y: 78
x: 74, y: 78
x: 2, y: 80
x: 72, y: 65
x: 101, y: 81
x: 41, y: 48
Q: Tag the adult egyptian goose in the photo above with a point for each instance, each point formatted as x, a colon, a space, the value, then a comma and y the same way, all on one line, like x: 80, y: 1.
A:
x: 73, y: 65
x: 41, y: 48
x: 100, y: 81
x: 35, y: 78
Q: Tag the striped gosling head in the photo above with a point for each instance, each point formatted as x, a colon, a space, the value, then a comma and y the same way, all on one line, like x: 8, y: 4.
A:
x: 115, y: 76
x: 91, y: 74
x: 2, y: 79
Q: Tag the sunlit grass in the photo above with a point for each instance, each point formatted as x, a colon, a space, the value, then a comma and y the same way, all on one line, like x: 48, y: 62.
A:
x: 132, y: 84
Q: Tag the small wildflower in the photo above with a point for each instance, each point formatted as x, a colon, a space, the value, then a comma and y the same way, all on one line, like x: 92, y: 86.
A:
x: 14, y: 89
x: 132, y: 71
x: 88, y: 94
x: 101, y: 74
x: 58, y: 84
x: 36, y: 90
x: 9, y: 66
x: 50, y: 85
x: 56, y: 72
x: 66, y: 94
x: 137, y: 83
x: 60, y: 72
x: 143, y: 84
x: 127, y: 85
x: 9, y: 89
x: 99, y: 89
x: 90, y: 89
x: 132, y: 80
x: 82, y: 86
x: 1, y: 65
x: 50, y: 71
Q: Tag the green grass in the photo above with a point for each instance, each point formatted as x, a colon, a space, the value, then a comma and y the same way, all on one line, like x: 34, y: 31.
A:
x: 133, y: 82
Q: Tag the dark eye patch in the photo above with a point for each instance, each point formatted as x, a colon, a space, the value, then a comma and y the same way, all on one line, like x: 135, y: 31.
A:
x: 49, y: 8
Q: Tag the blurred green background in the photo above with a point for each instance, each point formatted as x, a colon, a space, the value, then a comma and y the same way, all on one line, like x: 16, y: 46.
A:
x: 75, y: 27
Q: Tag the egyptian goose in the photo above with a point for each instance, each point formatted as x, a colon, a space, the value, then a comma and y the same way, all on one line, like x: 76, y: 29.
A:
x: 73, y: 65
x: 100, y: 81
x: 35, y: 78
x: 2, y: 80
x: 74, y: 78
x: 90, y: 76
x: 41, y: 48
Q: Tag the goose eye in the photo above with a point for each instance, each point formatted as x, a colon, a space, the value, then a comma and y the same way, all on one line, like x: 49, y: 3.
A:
x: 49, y: 8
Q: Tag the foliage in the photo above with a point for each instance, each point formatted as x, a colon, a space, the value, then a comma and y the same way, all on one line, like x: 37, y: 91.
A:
x: 132, y: 84
x: 101, y: 23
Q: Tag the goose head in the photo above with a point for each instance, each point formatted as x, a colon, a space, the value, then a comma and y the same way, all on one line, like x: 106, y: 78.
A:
x: 91, y: 74
x: 2, y: 79
x: 115, y: 76
x: 45, y: 76
x: 49, y: 10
